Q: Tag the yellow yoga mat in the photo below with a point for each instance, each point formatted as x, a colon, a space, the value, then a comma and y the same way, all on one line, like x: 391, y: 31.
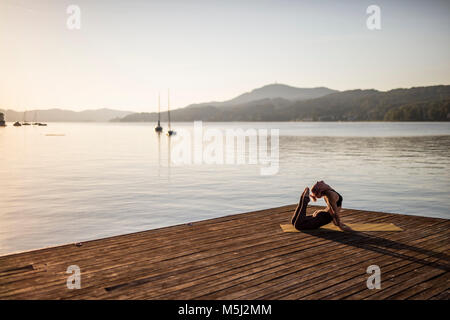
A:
x: 354, y: 226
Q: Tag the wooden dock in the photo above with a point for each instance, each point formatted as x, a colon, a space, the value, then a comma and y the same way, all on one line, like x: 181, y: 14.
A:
x: 243, y: 256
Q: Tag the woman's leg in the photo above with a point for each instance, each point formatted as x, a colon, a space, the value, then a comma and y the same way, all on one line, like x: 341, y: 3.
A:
x: 318, y: 211
x: 300, y: 212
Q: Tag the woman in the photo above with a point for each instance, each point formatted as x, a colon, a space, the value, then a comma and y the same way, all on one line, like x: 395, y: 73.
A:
x: 320, y: 217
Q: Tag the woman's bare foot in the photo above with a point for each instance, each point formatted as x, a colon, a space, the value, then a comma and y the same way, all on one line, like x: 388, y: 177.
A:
x: 302, y: 204
x: 305, y: 195
x: 304, y: 199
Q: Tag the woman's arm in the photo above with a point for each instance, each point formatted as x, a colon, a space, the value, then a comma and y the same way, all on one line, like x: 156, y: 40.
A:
x: 331, y: 199
x: 331, y: 207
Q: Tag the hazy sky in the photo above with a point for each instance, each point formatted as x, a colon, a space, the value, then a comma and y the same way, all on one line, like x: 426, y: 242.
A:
x: 126, y: 51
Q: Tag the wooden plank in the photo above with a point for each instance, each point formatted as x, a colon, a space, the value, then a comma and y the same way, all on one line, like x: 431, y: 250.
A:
x: 322, y: 276
x: 243, y: 256
x: 63, y: 275
x: 426, y: 289
x: 329, y: 246
x: 328, y: 269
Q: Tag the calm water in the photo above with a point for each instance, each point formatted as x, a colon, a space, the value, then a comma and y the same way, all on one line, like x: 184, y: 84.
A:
x: 98, y: 180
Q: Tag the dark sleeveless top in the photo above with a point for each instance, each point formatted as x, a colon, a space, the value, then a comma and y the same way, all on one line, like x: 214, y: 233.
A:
x: 339, y: 202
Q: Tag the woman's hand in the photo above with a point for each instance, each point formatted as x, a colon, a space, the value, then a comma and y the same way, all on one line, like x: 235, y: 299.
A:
x: 345, y: 227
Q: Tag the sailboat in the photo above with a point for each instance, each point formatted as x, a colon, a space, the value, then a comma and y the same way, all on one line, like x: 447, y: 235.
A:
x: 158, y: 128
x: 25, y: 123
x: 170, y: 132
x: 35, y: 123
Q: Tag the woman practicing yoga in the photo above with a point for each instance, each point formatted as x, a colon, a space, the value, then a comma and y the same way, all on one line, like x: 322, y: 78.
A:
x: 320, y: 217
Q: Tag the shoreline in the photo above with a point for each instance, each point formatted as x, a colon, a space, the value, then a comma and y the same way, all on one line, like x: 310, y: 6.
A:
x: 268, y: 121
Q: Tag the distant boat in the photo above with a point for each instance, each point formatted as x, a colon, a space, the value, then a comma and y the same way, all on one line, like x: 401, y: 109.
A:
x: 2, y: 120
x: 35, y: 123
x: 170, y: 132
x: 25, y: 123
x: 17, y: 124
x: 158, y: 128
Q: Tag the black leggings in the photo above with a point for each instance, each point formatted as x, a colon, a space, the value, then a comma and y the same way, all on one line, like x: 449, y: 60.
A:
x: 303, y: 222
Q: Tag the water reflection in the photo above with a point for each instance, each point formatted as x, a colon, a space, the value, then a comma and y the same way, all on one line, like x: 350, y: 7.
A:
x: 169, y: 151
x: 104, y: 179
x: 159, y: 153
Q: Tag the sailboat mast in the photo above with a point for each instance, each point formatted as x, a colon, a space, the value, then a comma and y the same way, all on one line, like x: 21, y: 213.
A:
x: 158, y: 127
x: 159, y: 108
x: 168, y: 106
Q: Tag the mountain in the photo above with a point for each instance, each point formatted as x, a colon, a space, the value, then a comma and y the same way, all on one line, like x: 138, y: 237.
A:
x: 60, y: 115
x: 271, y: 91
x: 417, y: 104
x: 278, y: 102
x: 414, y: 104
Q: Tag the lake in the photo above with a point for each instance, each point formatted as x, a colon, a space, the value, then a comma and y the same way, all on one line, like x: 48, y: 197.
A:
x: 71, y: 182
